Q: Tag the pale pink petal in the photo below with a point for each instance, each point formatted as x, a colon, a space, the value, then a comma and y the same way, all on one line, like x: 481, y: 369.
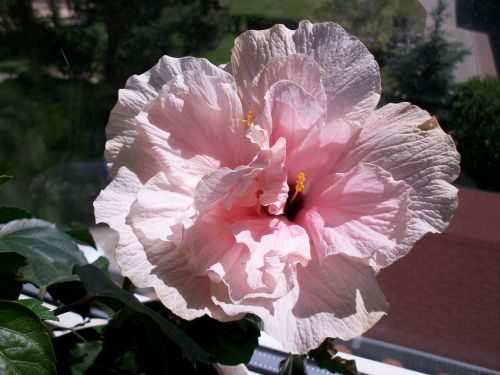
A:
x: 186, y: 294
x: 290, y: 113
x: 263, y: 180
x: 407, y: 142
x: 254, y: 256
x: 226, y: 186
x: 312, y: 147
x: 112, y: 207
x: 361, y: 213
x: 300, y: 69
x: 138, y: 92
x: 275, y: 247
x: 161, y: 210
x: 351, y: 76
x: 336, y: 298
x: 274, y: 181
x: 207, y: 242
x: 159, y: 265
x: 184, y: 127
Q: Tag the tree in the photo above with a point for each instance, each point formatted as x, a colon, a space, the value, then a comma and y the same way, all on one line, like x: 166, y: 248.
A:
x: 421, y: 70
x: 475, y: 125
x: 379, y: 24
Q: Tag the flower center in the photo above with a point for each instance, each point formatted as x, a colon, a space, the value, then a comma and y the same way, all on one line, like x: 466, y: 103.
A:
x: 295, y: 198
x: 249, y: 121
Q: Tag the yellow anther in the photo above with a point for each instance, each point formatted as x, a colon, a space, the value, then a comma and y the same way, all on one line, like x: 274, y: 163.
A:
x: 248, y: 122
x: 301, y: 179
x: 299, y: 186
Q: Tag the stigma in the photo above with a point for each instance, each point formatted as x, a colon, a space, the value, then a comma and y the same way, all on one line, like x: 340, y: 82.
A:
x: 295, y: 201
x: 249, y: 120
x: 301, y: 179
x: 299, y: 186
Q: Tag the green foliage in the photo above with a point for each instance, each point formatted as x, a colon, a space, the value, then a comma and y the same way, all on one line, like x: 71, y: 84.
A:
x: 293, y: 365
x: 11, y: 277
x: 294, y: 10
x: 101, y: 288
x: 13, y: 213
x: 45, y: 133
x: 325, y: 357
x: 50, y: 253
x: 4, y: 179
x: 36, y: 306
x: 231, y: 343
x: 138, y: 33
x: 421, y: 70
x: 475, y: 126
x: 87, y: 352
x: 379, y: 24
x: 25, y: 346
x: 80, y: 233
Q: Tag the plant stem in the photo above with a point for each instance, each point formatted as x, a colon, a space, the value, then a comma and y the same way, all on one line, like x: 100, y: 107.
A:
x: 72, y: 305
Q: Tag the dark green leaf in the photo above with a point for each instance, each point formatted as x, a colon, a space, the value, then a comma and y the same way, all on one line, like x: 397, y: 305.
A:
x: 70, y: 292
x: 231, y: 343
x: 102, y: 288
x: 36, y: 306
x: 80, y: 233
x: 293, y: 365
x: 4, y: 178
x: 102, y: 263
x: 87, y: 352
x: 324, y: 356
x: 50, y: 253
x: 13, y: 213
x: 25, y: 346
x: 10, y: 275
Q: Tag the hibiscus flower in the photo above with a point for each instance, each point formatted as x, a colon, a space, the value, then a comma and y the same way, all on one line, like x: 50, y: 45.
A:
x: 272, y: 185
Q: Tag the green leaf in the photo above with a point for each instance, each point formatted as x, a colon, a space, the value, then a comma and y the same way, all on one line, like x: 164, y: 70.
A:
x: 102, y: 263
x: 25, y: 346
x: 231, y: 343
x: 13, y: 213
x: 4, y: 178
x: 50, y: 253
x: 70, y: 292
x: 80, y: 233
x: 36, y: 306
x: 100, y: 287
x: 10, y: 275
x: 293, y: 365
x: 87, y: 352
x: 324, y: 356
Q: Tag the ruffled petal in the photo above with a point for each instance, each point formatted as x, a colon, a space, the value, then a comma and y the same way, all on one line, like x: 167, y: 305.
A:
x: 263, y: 180
x: 159, y: 264
x: 122, y: 147
x: 184, y: 127
x: 161, y: 210
x: 275, y: 247
x: 290, y: 113
x: 408, y: 143
x: 302, y: 70
x: 336, y: 298
x: 362, y: 214
x: 254, y: 256
x: 351, y: 76
x: 312, y: 147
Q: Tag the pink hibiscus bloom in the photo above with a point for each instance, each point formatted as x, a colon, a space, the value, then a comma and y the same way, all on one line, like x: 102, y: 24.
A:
x: 273, y: 186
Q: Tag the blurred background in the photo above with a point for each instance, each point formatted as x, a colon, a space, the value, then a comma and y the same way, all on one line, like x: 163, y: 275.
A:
x: 63, y: 61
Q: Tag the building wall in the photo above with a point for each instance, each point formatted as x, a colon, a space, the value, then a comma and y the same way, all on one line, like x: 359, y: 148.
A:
x: 445, y: 295
x: 480, y: 61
